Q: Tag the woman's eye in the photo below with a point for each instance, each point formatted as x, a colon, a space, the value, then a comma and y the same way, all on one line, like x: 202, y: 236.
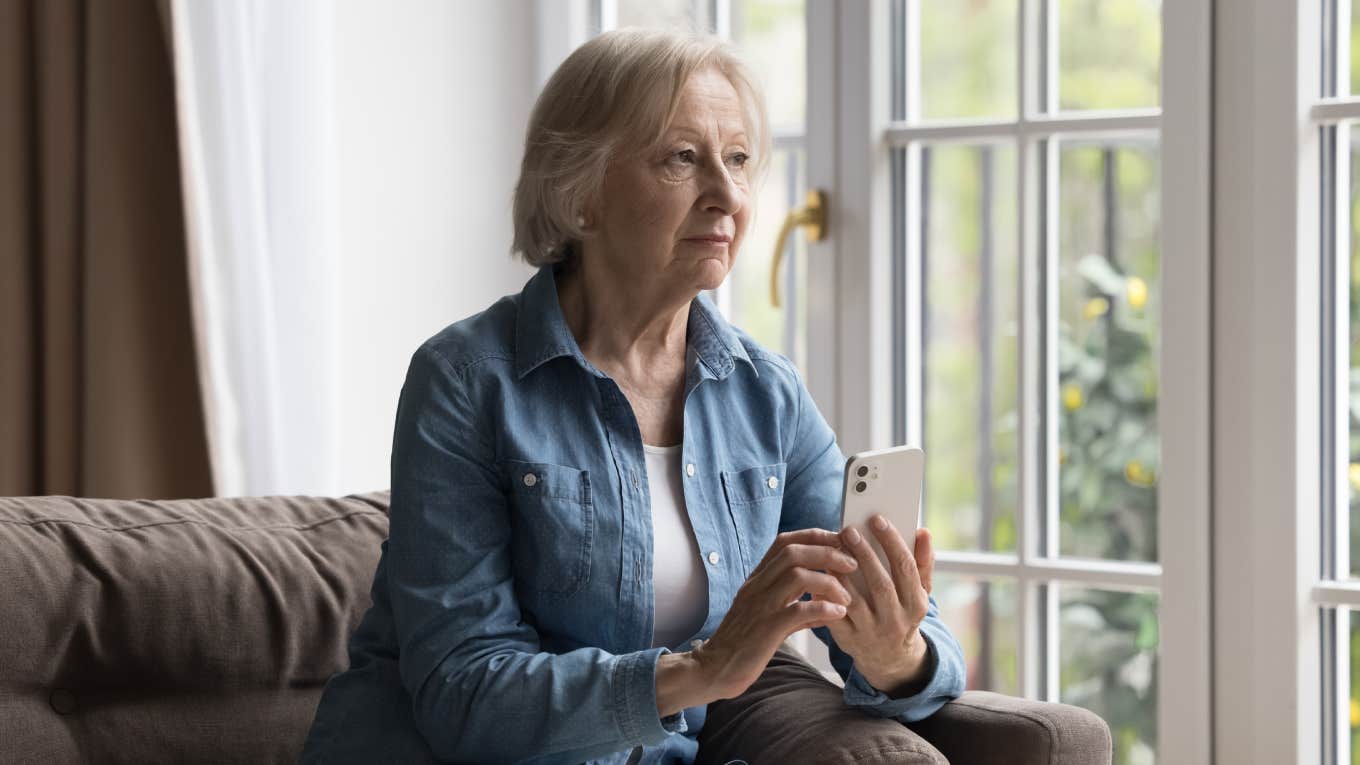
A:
x: 684, y: 156
x: 739, y: 159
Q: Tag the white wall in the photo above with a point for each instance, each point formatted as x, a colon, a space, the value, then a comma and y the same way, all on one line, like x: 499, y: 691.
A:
x: 431, y: 102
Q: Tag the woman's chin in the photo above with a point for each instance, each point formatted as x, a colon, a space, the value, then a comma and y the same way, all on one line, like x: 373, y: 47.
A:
x: 710, y: 273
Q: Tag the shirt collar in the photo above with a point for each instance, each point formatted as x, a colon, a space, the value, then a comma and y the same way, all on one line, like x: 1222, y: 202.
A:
x: 542, y: 334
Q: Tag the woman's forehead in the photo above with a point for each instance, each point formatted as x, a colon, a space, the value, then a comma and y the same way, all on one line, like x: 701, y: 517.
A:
x: 708, y: 100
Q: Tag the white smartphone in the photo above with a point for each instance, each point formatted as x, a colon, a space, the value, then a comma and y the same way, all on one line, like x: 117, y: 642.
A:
x: 886, y: 481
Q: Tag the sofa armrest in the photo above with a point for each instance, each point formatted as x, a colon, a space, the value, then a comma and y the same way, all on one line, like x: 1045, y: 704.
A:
x: 989, y: 727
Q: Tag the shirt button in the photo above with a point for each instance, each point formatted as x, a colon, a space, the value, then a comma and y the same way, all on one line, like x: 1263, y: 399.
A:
x: 713, y: 557
x: 635, y: 480
x: 530, y: 479
x: 772, y: 482
x: 689, y: 469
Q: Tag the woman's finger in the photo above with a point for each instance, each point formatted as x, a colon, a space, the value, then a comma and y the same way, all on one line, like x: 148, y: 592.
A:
x: 823, y: 586
x: 786, y: 567
x: 811, y: 613
x: 876, y: 577
x: 812, y: 536
x: 859, y: 601
x: 925, y: 558
x: 901, y: 560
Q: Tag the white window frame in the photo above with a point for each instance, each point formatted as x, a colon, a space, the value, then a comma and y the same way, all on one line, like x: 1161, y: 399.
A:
x: 1284, y: 248
x: 1267, y: 379
x: 861, y: 343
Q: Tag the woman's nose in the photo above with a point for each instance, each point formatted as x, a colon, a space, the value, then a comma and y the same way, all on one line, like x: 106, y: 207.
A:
x: 721, y: 190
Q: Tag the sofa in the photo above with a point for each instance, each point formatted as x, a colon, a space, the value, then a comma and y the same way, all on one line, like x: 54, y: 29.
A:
x: 203, y: 630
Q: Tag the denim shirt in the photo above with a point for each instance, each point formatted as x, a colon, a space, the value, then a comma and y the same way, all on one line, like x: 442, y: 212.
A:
x: 513, y: 599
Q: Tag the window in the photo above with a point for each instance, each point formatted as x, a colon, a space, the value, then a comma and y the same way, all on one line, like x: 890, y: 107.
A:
x: 1009, y: 282
x: 1026, y: 176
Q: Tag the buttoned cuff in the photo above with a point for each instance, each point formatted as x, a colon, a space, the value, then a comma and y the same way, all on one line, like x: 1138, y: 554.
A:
x: 635, y: 707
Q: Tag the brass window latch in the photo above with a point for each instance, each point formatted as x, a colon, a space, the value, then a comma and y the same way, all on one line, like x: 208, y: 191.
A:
x: 810, y: 217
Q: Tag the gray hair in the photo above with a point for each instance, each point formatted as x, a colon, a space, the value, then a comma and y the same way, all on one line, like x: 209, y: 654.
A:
x: 614, y: 95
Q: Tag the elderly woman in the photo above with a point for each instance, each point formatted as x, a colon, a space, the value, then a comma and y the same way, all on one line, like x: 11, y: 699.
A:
x: 610, y: 508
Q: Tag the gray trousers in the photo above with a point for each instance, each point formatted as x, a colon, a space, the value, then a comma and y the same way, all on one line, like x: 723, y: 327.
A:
x: 792, y: 714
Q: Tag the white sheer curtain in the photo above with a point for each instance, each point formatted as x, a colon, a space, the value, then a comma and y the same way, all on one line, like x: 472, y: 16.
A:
x: 255, y: 105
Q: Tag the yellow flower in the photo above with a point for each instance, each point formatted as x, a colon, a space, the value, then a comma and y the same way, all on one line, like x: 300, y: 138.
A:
x: 1096, y: 306
x: 1355, y: 713
x: 1138, y: 475
x: 1354, y: 472
x: 1137, y: 292
x: 1062, y: 456
x: 1071, y: 396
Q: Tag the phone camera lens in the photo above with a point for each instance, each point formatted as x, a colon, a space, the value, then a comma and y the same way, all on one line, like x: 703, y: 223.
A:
x: 862, y: 471
x: 860, y: 486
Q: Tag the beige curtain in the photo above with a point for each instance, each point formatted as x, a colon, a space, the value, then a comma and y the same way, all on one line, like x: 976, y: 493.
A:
x: 99, y: 393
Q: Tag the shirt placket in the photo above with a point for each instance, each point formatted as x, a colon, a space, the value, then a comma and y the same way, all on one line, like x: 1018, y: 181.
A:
x: 704, y: 499
x: 635, y: 618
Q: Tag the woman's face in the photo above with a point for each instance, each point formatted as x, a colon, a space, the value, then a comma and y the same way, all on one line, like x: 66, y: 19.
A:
x: 675, y: 217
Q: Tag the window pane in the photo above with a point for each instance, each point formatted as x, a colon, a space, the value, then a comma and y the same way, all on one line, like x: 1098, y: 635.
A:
x: 1109, y: 288
x: 669, y: 14
x: 1110, y: 54
x: 968, y: 58
x: 773, y: 39
x: 1354, y: 63
x: 1353, y: 474
x: 970, y: 345
x: 981, y: 614
x: 1352, y: 668
x: 1108, y: 644
x: 749, y: 281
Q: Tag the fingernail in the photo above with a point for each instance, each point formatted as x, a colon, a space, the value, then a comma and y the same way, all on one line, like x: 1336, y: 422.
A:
x: 851, y: 562
x: 880, y: 522
x: 852, y: 534
x: 838, y: 608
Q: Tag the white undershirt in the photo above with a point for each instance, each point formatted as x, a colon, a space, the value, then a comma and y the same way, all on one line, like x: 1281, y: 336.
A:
x: 679, y: 580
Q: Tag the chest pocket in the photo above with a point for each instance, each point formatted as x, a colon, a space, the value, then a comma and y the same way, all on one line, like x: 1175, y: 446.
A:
x: 554, y: 525
x: 755, y: 499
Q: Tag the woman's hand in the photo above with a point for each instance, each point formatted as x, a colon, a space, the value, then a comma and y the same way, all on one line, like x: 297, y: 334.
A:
x: 881, y: 629
x: 767, y: 608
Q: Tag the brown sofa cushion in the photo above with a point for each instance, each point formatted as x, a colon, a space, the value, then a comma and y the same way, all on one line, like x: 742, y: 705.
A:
x: 187, y: 629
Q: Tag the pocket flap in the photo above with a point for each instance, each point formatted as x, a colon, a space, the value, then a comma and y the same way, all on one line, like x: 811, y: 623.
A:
x: 754, y: 484
x: 544, y: 479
